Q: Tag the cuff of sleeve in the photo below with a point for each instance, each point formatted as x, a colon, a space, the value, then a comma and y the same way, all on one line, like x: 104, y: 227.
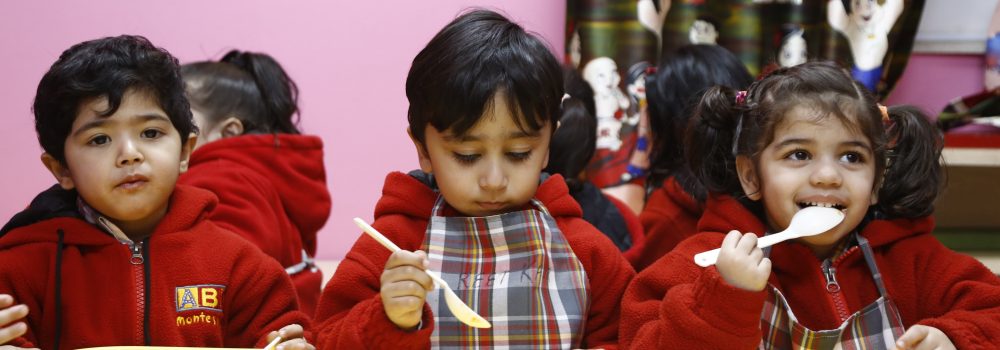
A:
x: 960, y: 333
x: 383, y: 334
x: 727, y: 306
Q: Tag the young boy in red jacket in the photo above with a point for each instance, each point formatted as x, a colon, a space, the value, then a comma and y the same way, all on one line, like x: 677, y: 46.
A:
x: 484, y: 100
x: 116, y: 254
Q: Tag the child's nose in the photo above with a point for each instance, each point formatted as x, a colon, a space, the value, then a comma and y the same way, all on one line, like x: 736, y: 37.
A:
x: 494, y: 178
x: 129, y: 154
x: 827, y: 173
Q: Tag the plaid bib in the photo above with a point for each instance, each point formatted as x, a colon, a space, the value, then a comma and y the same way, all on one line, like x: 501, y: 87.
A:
x: 514, y: 269
x: 876, y: 326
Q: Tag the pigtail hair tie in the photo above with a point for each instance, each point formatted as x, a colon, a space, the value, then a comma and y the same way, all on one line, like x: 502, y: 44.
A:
x: 741, y: 97
x: 885, y: 113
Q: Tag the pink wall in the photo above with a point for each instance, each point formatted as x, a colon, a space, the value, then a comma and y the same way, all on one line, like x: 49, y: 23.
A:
x: 350, y: 59
x: 931, y: 81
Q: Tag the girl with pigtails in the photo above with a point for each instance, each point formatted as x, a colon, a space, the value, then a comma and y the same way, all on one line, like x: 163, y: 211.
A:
x: 804, y: 136
x: 270, y: 177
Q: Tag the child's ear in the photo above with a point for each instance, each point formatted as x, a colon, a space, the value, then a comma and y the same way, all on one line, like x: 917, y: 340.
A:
x: 59, y: 170
x: 748, y: 177
x: 186, y: 151
x: 230, y: 127
x: 425, y: 159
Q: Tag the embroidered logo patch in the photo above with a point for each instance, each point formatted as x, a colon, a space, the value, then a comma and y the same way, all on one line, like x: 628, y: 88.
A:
x: 199, y: 297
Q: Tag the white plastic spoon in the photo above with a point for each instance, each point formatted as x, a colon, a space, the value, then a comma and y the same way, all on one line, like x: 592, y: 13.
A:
x: 458, y: 308
x: 807, y: 222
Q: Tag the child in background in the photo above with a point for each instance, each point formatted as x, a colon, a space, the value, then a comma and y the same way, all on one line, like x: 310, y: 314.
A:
x: 117, y: 132
x: 269, y: 178
x: 803, y: 136
x: 570, y: 150
x: 675, y: 195
x: 484, y: 100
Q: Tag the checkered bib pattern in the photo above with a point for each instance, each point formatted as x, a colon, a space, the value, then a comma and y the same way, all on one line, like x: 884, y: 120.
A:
x: 876, y: 326
x: 514, y: 269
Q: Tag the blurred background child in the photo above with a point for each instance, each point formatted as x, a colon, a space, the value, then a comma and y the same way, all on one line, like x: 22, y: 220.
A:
x: 269, y: 177
x: 571, y: 149
x: 675, y: 197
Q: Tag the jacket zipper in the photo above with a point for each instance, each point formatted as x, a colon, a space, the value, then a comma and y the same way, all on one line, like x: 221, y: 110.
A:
x: 137, y: 260
x: 833, y: 287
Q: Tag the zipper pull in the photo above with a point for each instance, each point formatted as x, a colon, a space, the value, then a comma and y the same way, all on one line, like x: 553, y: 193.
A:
x: 136, y: 249
x: 831, y: 279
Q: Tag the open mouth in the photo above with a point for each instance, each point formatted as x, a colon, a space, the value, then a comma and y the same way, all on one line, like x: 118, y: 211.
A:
x: 840, y: 207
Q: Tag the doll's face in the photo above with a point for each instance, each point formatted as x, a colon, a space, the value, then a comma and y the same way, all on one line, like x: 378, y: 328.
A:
x: 862, y: 11
x: 793, y: 51
x: 602, y: 74
x: 703, y: 32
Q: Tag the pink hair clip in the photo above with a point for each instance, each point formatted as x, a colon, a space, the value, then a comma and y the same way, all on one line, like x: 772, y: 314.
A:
x: 741, y: 97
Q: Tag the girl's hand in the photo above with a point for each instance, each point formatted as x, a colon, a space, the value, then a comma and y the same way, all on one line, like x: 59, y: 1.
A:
x: 8, y: 315
x: 404, y: 287
x: 741, y: 263
x: 293, y: 338
x: 921, y: 337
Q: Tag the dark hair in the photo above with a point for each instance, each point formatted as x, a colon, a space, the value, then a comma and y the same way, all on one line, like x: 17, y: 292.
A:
x: 249, y: 86
x: 107, y: 67
x: 574, y: 141
x: 579, y: 88
x: 456, y: 76
x: 907, y: 189
x: 672, y: 93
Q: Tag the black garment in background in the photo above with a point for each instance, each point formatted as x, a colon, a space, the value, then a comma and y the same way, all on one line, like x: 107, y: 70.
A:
x: 599, y: 211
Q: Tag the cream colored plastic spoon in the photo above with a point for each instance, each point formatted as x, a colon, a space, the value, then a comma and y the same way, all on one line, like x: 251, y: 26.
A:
x: 807, y: 222
x: 458, y: 308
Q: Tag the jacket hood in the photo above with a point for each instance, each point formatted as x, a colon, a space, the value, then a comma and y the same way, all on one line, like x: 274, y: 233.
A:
x: 724, y: 213
x: 55, y: 210
x: 413, y: 195
x: 292, y: 163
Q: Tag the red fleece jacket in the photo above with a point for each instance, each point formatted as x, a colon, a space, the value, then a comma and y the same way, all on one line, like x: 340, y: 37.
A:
x: 351, y: 315
x: 237, y: 294
x: 670, y: 216
x: 675, y: 304
x: 272, y: 191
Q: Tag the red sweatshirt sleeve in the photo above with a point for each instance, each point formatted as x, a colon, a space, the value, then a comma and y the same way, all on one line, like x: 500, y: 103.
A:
x: 262, y: 300
x: 675, y: 304
x: 608, y: 273
x: 955, y: 293
x: 24, y: 270
x: 351, y: 315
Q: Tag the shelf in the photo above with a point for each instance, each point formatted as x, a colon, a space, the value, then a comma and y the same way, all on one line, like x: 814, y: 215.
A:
x: 974, y: 157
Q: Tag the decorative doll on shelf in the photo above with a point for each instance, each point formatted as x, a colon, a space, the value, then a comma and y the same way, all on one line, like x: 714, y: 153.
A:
x: 704, y: 30
x: 866, y: 25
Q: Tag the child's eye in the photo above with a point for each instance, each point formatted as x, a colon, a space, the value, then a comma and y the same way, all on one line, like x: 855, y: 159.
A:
x: 465, y: 158
x: 852, y: 157
x: 798, y: 155
x: 151, y: 133
x: 99, y: 140
x: 519, y: 156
